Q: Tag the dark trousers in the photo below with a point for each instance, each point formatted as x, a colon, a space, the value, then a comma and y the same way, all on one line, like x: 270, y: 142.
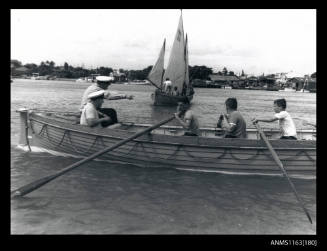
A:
x: 288, y: 137
x: 190, y: 134
x: 230, y: 136
x: 110, y: 113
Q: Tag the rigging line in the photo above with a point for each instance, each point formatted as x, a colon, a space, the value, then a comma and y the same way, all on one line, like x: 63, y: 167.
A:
x: 298, y: 153
x: 252, y: 157
x: 42, y: 129
x: 201, y: 159
x: 132, y: 148
x: 51, y: 141
x: 80, y: 151
x: 176, y: 151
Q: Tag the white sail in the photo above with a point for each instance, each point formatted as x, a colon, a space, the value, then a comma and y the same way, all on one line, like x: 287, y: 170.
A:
x: 176, y: 65
x: 155, y: 75
x: 187, y: 79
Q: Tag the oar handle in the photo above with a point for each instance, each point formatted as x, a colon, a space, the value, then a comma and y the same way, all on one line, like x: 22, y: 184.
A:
x: 280, y: 165
x: 38, y: 183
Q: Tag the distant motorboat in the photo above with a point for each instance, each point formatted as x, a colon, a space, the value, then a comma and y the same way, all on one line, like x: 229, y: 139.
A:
x: 83, y: 80
x: 303, y: 90
x: 288, y: 90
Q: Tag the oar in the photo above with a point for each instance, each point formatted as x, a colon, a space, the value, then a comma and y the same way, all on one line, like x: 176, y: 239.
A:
x: 280, y: 164
x: 304, y: 122
x: 38, y: 183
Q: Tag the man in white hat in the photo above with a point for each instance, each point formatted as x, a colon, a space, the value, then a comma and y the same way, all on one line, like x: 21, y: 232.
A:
x: 102, y: 83
x: 90, y: 115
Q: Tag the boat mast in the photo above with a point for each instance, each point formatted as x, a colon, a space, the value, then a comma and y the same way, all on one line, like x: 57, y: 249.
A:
x: 176, y: 65
x: 186, y: 78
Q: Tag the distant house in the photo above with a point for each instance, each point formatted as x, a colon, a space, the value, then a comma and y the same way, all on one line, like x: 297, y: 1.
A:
x: 281, y: 78
x: 224, y: 80
x: 252, y: 81
x: 311, y: 84
x: 119, y: 76
x: 268, y: 81
x: 199, y: 83
x: 295, y: 83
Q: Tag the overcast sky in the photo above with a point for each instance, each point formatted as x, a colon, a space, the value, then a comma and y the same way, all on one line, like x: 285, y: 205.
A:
x: 257, y: 41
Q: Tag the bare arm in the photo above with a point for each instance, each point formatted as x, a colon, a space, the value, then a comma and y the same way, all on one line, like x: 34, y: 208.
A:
x: 94, y: 122
x: 255, y: 120
x: 186, y: 123
x: 115, y: 96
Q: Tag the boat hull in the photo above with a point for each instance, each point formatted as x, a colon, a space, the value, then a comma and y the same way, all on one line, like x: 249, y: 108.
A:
x: 242, y: 156
x: 160, y: 98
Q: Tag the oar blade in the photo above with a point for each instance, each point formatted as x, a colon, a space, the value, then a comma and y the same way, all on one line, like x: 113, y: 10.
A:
x: 31, y: 186
x: 40, y: 182
x: 280, y: 165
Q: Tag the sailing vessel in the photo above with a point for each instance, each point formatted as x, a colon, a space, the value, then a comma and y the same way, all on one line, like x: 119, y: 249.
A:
x: 177, y: 71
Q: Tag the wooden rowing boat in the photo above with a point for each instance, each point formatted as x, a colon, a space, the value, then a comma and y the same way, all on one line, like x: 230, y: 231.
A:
x: 167, y: 147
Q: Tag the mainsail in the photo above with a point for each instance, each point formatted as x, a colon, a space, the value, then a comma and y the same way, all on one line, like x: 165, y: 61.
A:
x: 155, y: 75
x: 187, y: 79
x: 176, y: 65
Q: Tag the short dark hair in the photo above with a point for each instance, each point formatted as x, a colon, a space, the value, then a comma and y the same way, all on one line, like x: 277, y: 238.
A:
x: 280, y: 102
x: 185, y: 103
x: 103, y: 82
x: 231, y: 103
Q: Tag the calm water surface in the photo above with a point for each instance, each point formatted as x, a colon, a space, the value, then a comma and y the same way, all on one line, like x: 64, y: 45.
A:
x: 110, y: 198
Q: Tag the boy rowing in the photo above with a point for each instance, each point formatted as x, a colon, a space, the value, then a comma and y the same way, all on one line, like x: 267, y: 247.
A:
x: 232, y: 123
x: 286, y: 124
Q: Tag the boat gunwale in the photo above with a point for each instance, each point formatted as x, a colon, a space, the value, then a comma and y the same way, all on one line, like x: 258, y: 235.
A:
x: 162, y: 143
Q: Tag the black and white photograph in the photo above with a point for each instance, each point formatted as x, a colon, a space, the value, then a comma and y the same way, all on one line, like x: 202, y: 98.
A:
x: 163, y: 122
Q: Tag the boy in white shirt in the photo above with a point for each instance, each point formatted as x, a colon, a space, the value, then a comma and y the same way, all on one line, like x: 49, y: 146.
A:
x: 285, y: 121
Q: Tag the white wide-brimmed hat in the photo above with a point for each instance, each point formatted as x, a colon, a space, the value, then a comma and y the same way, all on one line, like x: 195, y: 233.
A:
x: 104, y: 79
x: 96, y: 94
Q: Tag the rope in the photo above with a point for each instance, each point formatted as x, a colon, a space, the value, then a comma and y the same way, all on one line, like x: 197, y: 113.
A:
x: 80, y: 151
x: 250, y: 158
x: 135, y: 145
x: 298, y: 154
x: 51, y: 141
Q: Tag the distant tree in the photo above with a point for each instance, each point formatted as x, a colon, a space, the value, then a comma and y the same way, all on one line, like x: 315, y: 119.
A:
x: 66, y: 66
x: 16, y: 63
x: 146, y: 71
x: 138, y: 74
x: 314, y: 75
x: 231, y: 73
x: 121, y: 70
x: 52, y: 64
x: 31, y: 68
x: 104, y: 71
x: 199, y: 72
x: 242, y: 74
x: 224, y: 71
